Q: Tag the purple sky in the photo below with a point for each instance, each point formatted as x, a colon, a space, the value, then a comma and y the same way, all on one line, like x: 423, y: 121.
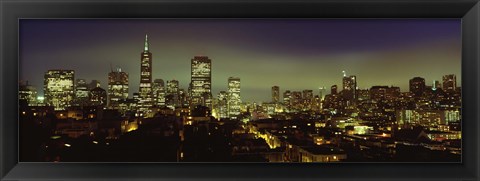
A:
x: 291, y: 53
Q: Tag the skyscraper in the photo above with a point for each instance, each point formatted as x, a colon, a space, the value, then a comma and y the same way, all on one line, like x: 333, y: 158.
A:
x: 59, y: 88
x: 417, y: 86
x: 172, y: 97
x: 307, y: 99
x: 201, y: 81
x: 145, y: 90
x: 117, y: 88
x: 350, y: 87
x: 334, y: 89
x: 159, y: 92
x: 81, y: 92
x: 98, y: 97
x: 234, y: 100
x: 321, y: 93
x: 286, y: 100
x: 222, y: 108
x: 275, y: 94
x: 27, y: 93
x: 449, y: 83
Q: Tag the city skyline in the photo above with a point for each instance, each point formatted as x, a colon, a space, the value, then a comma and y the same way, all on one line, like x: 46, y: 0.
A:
x: 259, y: 72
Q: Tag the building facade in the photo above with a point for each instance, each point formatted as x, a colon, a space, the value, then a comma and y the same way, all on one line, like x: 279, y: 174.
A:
x: 117, y: 88
x: 201, y: 81
x: 59, y: 88
x: 234, y: 99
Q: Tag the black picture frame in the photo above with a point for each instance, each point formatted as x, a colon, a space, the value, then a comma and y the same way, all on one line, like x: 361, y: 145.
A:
x: 11, y: 11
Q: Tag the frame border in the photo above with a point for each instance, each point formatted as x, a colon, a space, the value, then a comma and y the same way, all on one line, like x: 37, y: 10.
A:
x: 12, y: 10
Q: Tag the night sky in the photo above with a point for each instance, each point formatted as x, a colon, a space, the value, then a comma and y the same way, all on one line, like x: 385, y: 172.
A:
x: 293, y: 54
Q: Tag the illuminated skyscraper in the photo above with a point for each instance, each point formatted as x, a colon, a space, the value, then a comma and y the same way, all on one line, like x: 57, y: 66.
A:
x: 449, y: 83
x: 275, y: 94
x: 417, y: 86
x: 172, y: 96
x: 307, y: 99
x: 222, y: 108
x: 28, y: 94
x: 321, y: 93
x: 145, y: 90
x: 201, y: 81
x: 159, y: 92
x: 349, y: 87
x: 81, y: 93
x: 59, y: 88
x: 117, y: 88
x: 286, y: 100
x: 296, y: 101
x: 234, y: 100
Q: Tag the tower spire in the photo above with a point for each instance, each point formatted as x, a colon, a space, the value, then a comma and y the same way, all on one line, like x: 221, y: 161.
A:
x: 146, y: 43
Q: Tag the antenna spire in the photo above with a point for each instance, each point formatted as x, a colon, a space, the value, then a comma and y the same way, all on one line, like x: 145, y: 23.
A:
x: 146, y: 43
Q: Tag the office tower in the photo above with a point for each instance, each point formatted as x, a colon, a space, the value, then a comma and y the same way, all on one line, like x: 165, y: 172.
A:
x: 172, y: 98
x: 334, y: 89
x: 59, y: 88
x: 145, y: 91
x: 321, y: 93
x: 349, y: 87
x: 234, y: 99
x: 286, y: 100
x: 222, y: 108
x: 307, y: 96
x: 201, y: 81
x: 275, y: 94
x: 98, y: 97
x: 417, y: 86
x: 159, y: 92
x: 449, y: 83
x: 81, y: 92
x: 183, y: 98
x: 117, y: 88
x: 296, y: 101
x: 27, y: 94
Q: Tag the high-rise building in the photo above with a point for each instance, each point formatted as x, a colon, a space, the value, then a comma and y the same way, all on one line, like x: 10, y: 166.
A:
x: 296, y: 101
x: 145, y: 90
x: 321, y: 93
x: 98, y: 97
x: 201, y: 81
x: 234, y: 100
x: 222, y: 108
x: 81, y: 92
x: 449, y: 83
x: 27, y: 93
x: 417, y: 86
x: 172, y: 98
x: 59, y: 88
x: 275, y: 94
x: 159, y: 92
x: 117, y: 88
x: 307, y: 99
x: 286, y: 100
x: 334, y: 89
x: 350, y: 87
